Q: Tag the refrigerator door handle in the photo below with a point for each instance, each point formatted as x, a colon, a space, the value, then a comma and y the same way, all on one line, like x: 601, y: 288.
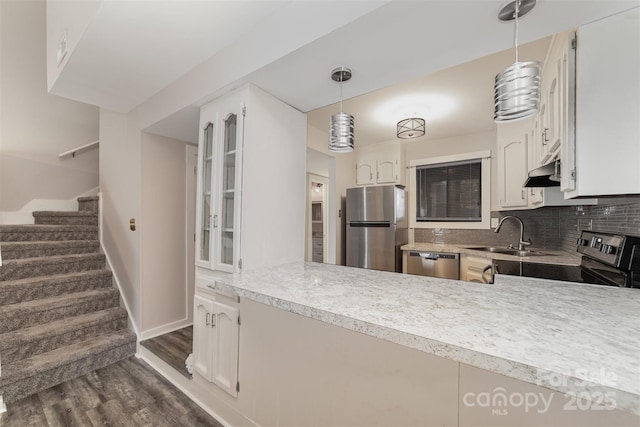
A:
x: 370, y: 224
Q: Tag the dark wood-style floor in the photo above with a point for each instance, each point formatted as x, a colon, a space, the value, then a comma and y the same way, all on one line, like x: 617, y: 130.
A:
x: 173, y: 348
x: 128, y: 393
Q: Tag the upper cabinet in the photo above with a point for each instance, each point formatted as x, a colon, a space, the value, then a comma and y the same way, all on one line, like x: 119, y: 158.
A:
x: 380, y: 164
x: 251, y: 167
x: 219, y: 201
x: 604, y: 157
x: 512, y: 168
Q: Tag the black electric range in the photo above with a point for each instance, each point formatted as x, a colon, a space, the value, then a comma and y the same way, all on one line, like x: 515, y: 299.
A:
x: 607, y: 259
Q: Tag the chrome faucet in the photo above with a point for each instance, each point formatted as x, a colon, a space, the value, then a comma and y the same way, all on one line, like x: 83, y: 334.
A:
x: 522, y: 243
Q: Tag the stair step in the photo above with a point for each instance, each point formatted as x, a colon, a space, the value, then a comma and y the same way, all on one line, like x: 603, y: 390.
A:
x: 29, y: 376
x: 88, y: 203
x: 15, y: 269
x: 36, y: 232
x: 19, y: 250
x: 42, y: 311
x: 15, y: 291
x: 28, y: 342
x: 66, y: 218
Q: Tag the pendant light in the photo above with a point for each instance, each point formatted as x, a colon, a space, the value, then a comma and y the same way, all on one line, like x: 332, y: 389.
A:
x: 517, y: 88
x: 341, y: 127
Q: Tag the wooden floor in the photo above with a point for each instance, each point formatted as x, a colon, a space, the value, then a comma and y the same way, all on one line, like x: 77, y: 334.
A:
x: 128, y: 393
x: 173, y: 348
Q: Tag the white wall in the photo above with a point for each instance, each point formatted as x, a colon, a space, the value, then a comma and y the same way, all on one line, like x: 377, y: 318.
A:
x: 165, y: 295
x: 120, y: 185
x: 73, y: 17
x: 36, y: 126
x: 274, y: 182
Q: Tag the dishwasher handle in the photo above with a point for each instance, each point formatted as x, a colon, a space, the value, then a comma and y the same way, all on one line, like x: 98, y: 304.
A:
x: 434, y: 256
x: 425, y: 255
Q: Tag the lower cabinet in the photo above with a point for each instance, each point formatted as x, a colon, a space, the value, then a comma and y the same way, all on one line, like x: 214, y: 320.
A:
x: 215, y: 341
x: 476, y: 269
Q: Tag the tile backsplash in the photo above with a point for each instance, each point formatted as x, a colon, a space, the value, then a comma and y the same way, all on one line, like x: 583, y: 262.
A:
x: 549, y: 227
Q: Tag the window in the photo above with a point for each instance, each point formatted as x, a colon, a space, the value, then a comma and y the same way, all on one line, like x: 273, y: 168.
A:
x: 451, y: 191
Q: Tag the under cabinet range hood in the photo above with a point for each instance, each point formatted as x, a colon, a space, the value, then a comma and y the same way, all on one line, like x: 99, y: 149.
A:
x: 544, y: 176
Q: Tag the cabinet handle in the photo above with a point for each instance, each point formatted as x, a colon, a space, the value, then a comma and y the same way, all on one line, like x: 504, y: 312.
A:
x: 207, y: 319
x: 522, y: 194
x: 484, y: 271
x: 544, y: 136
x: 215, y: 221
x: 213, y: 321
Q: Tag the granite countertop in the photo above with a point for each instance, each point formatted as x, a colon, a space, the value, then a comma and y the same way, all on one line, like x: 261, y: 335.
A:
x: 567, y: 337
x: 547, y: 256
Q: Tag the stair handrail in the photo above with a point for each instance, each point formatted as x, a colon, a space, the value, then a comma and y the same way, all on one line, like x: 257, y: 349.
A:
x: 77, y: 150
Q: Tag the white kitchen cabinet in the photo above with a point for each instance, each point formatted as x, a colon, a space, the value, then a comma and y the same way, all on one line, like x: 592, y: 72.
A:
x: 512, y: 165
x: 379, y: 164
x: 604, y: 158
x: 215, y: 345
x: 251, y: 178
x: 551, y: 122
x: 219, y: 178
x: 252, y: 172
x: 365, y: 171
x: 202, y: 342
x: 476, y: 269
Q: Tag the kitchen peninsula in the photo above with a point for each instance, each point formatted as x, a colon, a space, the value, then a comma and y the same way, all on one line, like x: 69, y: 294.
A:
x: 522, y: 337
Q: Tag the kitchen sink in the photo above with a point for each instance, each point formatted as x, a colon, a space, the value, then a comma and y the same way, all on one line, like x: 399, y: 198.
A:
x: 508, y: 251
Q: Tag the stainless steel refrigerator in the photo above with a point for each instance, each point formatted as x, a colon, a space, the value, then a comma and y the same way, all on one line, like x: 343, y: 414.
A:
x: 376, y: 227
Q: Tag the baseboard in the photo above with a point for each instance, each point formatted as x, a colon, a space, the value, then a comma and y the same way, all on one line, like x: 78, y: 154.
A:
x: 25, y: 214
x: 222, y: 412
x: 165, y: 329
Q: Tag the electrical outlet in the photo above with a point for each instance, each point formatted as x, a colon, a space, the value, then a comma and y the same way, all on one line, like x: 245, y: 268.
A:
x: 62, y: 47
x: 494, y: 222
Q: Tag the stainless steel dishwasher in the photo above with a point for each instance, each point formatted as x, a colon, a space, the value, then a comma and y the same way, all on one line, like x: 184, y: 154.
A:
x: 434, y: 264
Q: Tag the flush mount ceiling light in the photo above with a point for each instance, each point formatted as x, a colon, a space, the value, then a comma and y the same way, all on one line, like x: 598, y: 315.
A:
x: 429, y: 106
x: 517, y: 88
x: 413, y: 127
x: 341, y: 126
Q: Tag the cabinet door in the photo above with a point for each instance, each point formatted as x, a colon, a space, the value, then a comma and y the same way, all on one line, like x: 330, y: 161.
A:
x: 219, y: 184
x: 204, y: 218
x: 386, y: 171
x: 225, y: 329
x: 535, y: 195
x: 202, y: 338
x: 228, y: 188
x: 512, y: 169
x: 364, y: 172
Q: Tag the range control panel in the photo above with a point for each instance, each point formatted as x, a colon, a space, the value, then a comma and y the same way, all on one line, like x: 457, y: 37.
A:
x: 603, y: 247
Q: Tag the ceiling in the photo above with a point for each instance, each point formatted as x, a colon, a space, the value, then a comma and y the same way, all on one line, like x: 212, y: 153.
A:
x: 136, y: 51
x: 455, y: 101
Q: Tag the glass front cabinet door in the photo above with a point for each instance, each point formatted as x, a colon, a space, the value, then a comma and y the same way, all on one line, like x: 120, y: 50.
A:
x: 219, y: 184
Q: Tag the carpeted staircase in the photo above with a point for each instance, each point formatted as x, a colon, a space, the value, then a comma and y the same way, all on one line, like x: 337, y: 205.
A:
x: 60, y: 315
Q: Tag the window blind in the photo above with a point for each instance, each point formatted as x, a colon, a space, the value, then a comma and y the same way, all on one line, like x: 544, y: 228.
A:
x: 449, y: 191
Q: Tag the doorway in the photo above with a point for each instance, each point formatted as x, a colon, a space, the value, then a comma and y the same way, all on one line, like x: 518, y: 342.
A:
x: 317, y: 218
